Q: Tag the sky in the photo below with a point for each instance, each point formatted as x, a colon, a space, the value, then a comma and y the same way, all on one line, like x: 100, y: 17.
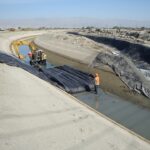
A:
x: 137, y: 11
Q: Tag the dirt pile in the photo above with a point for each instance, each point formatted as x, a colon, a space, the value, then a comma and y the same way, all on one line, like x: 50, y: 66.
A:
x: 130, y: 34
x: 76, y: 40
x: 145, y: 35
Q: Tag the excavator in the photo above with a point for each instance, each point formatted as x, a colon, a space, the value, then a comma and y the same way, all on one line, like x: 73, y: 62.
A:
x: 36, y: 56
x: 16, y: 44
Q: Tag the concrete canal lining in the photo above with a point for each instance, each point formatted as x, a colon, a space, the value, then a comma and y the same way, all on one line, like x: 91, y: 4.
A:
x: 132, y: 116
x: 37, y: 115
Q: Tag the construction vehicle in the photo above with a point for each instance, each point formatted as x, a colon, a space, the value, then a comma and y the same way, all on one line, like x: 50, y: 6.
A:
x: 16, y: 44
x: 38, y: 57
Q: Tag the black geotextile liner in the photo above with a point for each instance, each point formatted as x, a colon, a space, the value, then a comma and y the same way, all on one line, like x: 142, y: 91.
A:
x: 140, y: 54
x: 64, y: 77
x: 127, y: 72
x: 69, y: 79
x: 13, y: 61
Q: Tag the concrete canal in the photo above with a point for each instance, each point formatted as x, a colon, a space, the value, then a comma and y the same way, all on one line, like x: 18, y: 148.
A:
x: 124, y: 112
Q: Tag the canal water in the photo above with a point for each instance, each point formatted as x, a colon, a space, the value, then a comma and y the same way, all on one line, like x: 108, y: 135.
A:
x: 130, y: 115
x: 134, y: 117
x: 24, y: 50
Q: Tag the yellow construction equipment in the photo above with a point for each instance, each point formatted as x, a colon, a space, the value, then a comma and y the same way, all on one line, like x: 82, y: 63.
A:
x: 37, y: 56
x: 18, y: 43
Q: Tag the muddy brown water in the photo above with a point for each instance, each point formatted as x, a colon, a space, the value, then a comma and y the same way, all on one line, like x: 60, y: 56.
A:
x: 121, y: 108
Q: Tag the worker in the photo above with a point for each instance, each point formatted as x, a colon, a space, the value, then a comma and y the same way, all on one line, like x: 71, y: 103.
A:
x: 44, y: 58
x: 30, y: 55
x: 97, y: 83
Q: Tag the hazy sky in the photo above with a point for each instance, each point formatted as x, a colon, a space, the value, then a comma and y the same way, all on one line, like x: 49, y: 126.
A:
x: 98, y: 9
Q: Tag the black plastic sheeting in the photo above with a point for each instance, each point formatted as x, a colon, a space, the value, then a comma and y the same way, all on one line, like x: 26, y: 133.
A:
x: 127, y: 64
x: 64, y: 77
x: 127, y: 72
x: 140, y: 54
x: 69, y: 79
x: 13, y: 61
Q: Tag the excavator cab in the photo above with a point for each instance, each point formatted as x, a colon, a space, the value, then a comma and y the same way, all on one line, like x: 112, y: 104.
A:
x: 38, y: 58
